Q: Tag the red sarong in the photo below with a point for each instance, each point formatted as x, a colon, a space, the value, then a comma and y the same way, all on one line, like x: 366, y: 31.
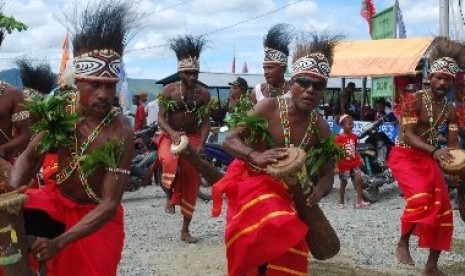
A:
x: 97, y: 254
x: 428, y: 207
x: 262, y: 225
x: 183, y: 180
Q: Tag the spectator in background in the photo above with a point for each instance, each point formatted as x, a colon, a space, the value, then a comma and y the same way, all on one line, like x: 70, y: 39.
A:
x: 139, y: 118
x: 347, y: 101
x: 383, y: 110
x: 143, y: 99
x: 238, y: 89
x: 152, y: 112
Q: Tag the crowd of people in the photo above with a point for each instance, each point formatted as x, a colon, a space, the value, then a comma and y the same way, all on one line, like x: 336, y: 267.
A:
x: 74, y: 220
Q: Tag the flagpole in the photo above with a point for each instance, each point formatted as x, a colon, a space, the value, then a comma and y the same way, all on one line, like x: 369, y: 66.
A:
x: 444, y: 18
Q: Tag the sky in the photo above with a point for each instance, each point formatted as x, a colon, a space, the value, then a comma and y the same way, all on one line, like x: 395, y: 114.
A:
x: 234, y: 28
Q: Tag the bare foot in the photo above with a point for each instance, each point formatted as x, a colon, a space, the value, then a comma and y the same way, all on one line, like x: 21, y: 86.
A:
x: 403, y: 255
x: 169, y: 208
x: 188, y: 238
x: 432, y: 272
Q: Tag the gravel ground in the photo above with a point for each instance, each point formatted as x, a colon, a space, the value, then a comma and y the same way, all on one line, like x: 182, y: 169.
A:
x: 368, y: 238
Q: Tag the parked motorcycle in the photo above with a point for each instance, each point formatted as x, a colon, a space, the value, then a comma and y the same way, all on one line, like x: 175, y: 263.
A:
x: 145, y: 159
x: 374, y: 152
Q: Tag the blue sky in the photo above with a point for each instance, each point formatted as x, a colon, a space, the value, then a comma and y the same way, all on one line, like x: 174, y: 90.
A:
x: 147, y: 58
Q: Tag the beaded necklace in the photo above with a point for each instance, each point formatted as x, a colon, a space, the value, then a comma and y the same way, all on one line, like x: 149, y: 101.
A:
x: 77, y: 152
x: 434, y: 126
x: 284, y: 116
x: 194, y: 99
x: 276, y: 91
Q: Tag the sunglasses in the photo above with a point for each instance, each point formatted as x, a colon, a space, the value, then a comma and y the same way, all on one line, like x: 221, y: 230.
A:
x: 305, y: 83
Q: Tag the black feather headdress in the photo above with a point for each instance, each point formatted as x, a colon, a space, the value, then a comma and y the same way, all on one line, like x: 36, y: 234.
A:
x: 188, y: 49
x: 447, y: 56
x: 314, y: 54
x: 36, y: 76
x: 100, y: 35
x: 277, y: 42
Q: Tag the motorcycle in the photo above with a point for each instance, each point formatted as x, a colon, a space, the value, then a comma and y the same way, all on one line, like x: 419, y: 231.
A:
x: 145, y: 158
x: 215, y: 155
x: 374, y: 152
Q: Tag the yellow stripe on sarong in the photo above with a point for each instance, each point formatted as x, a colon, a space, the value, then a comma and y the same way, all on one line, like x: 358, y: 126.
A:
x: 286, y: 270
x: 256, y: 225
x: 187, y: 204
x: 253, y: 202
x: 445, y: 213
x: 187, y: 211
x: 415, y: 196
x: 298, y: 252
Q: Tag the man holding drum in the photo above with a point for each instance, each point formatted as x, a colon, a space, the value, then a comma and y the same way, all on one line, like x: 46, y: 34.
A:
x: 79, y: 222
x: 414, y: 160
x: 263, y: 228
x: 183, y: 111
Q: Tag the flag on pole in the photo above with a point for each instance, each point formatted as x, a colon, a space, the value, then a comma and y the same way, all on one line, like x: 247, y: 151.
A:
x: 400, y: 22
x: 234, y: 64
x: 124, y: 94
x: 367, y: 11
x: 245, y: 70
x: 64, y: 57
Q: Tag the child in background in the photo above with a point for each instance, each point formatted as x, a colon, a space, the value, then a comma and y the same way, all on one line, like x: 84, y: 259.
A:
x: 349, y: 167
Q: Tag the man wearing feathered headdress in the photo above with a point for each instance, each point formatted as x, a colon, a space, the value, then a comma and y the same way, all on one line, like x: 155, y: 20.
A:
x: 14, y: 119
x: 37, y: 77
x: 183, y: 111
x: 276, y: 44
x: 38, y: 81
x: 79, y: 222
x: 260, y: 207
x: 414, y: 160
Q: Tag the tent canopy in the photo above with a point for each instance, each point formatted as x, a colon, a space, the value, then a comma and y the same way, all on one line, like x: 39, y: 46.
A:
x: 379, y: 58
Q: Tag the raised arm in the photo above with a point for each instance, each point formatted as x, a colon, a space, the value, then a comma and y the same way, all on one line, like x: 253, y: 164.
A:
x: 27, y: 164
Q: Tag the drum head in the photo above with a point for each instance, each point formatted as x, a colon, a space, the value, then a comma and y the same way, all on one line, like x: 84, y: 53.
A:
x: 181, y: 146
x: 288, y: 166
x: 12, y: 202
x: 458, y: 164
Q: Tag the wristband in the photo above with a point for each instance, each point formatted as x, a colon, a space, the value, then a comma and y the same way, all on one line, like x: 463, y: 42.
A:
x: 432, y: 152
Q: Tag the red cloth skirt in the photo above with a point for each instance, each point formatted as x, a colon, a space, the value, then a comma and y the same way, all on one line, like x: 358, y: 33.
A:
x: 183, y: 180
x: 97, y: 254
x: 262, y: 225
x: 428, y: 207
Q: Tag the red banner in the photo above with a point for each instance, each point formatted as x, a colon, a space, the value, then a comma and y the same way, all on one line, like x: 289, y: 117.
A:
x: 367, y: 11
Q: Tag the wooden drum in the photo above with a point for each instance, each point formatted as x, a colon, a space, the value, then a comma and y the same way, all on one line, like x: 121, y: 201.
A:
x: 5, y: 170
x: 456, y: 171
x: 287, y: 168
x: 181, y: 146
x: 13, y: 242
x: 456, y: 168
x: 321, y: 237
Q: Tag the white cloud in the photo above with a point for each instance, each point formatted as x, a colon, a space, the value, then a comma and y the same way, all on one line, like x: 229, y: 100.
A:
x: 216, y: 7
x: 302, y: 10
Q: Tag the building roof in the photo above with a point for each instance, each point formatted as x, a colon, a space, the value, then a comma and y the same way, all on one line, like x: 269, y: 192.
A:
x: 217, y: 80
x: 221, y: 80
x: 379, y: 58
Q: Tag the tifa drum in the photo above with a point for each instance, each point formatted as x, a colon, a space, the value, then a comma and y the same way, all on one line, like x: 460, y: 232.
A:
x: 181, y: 146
